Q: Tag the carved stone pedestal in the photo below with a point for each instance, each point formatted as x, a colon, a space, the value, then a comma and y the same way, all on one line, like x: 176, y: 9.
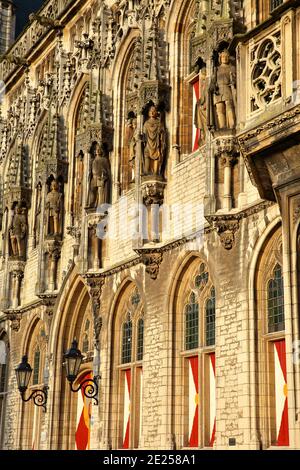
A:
x: 16, y: 269
x: 53, y: 249
x: 96, y: 234
x: 153, y: 198
x: 226, y: 153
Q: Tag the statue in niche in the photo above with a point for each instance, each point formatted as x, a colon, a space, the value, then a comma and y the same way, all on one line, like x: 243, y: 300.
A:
x: 18, y: 231
x: 155, y: 143
x: 201, y: 107
x: 223, y: 91
x: 37, y: 222
x: 99, y: 188
x: 54, y: 207
x: 131, y: 142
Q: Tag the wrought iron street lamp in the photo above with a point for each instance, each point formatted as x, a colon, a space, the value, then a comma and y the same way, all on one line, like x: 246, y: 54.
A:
x: 73, y: 359
x: 23, y: 374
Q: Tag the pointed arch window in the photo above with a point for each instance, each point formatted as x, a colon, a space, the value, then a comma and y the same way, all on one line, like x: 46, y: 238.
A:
x: 199, y: 319
x: 276, y: 301
x: 129, y: 362
x: 273, y: 398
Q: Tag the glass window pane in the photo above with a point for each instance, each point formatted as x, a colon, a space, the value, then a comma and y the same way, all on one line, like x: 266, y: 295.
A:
x: 126, y: 342
x: 202, y: 278
x: 36, y: 367
x: 140, y: 340
x: 276, y: 302
x: 210, y: 314
x: 192, y: 324
x: 85, y: 344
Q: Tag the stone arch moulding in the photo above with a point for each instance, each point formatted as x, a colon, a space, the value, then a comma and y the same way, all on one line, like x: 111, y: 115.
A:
x: 262, y: 239
x: 125, y: 378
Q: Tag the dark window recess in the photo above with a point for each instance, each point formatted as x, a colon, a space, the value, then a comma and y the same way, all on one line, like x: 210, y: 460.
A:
x: 2, y: 377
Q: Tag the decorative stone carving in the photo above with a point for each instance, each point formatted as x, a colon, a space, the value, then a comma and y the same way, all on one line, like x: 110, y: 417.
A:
x: 95, y: 285
x: 296, y: 208
x: 266, y: 64
x: 54, y: 210
x: 226, y: 228
x: 131, y: 142
x: 223, y: 92
x: 53, y: 249
x: 153, y: 192
x: 16, y: 269
x: 152, y: 260
x: 15, y: 318
x: 100, y: 180
x: 18, y: 232
x: 201, y: 107
x: 154, y: 143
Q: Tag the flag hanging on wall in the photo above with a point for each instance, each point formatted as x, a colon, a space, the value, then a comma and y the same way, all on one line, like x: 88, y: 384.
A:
x: 82, y: 436
x: 281, y: 393
x: 193, y: 402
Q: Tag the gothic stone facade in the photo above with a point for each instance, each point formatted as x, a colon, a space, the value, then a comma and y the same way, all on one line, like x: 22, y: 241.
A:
x: 113, y: 112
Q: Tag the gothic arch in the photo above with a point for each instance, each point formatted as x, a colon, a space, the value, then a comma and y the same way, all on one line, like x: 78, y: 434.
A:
x: 5, y: 371
x: 269, y: 333
x: 34, y: 346
x: 181, y: 23
x: 71, y: 311
x: 118, y: 78
x: 192, y: 278
x: 265, y: 234
x: 125, y: 372
x: 76, y: 101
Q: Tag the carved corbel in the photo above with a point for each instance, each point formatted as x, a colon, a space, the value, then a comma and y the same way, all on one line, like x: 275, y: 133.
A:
x: 75, y: 233
x: 153, y: 192
x: 48, y: 302
x: 227, y: 229
x: 152, y: 261
x: 15, y: 318
x: 95, y: 286
x: 45, y: 21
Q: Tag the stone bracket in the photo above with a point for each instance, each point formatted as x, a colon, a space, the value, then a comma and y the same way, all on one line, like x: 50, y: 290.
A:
x: 226, y: 227
x: 95, y: 285
x: 15, y: 317
x: 153, y: 191
x: 152, y: 259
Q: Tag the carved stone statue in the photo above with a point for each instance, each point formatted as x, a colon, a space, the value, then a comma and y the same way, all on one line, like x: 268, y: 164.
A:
x: 54, y: 207
x: 100, y: 179
x: 18, y: 231
x: 155, y: 143
x: 131, y: 142
x: 223, y: 93
x: 201, y: 107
